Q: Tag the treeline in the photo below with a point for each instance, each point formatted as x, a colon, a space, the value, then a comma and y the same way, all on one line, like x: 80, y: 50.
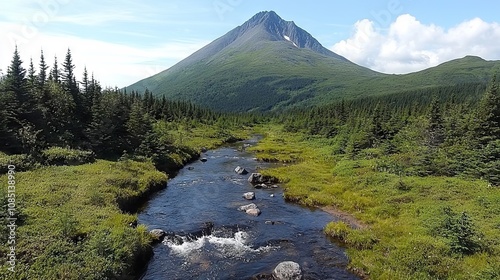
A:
x: 49, y: 106
x: 453, y: 130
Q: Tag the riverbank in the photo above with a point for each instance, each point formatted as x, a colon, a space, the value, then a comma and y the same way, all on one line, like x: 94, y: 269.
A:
x: 402, y: 216
x: 79, y: 221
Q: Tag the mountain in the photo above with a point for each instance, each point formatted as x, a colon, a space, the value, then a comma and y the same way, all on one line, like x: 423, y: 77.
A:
x: 269, y: 63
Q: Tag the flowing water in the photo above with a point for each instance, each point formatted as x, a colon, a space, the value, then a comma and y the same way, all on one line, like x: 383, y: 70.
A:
x: 210, y: 239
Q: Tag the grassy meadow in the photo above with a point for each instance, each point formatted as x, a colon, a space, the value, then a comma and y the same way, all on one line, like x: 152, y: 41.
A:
x: 413, y: 227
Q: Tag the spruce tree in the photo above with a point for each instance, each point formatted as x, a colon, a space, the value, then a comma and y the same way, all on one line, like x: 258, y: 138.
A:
x: 70, y: 86
x: 489, y: 114
x: 7, y: 111
x: 24, y: 112
x: 16, y: 81
x: 32, y: 78
x: 68, y: 76
x: 54, y: 73
x: 137, y: 125
x: 42, y: 75
x: 436, y: 128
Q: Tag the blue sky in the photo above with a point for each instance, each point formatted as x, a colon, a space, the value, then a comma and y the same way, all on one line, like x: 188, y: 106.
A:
x: 124, y: 41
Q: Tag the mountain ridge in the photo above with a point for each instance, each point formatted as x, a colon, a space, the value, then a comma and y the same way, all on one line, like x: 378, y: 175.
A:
x: 268, y: 63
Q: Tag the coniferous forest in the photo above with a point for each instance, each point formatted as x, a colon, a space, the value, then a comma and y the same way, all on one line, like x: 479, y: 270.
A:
x: 419, y: 171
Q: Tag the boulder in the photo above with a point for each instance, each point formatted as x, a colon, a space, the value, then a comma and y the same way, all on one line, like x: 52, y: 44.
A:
x: 287, y: 271
x: 249, y: 195
x: 253, y: 212
x: 240, y: 170
x: 246, y: 207
x: 258, y: 178
x: 157, y: 234
x: 203, y: 159
x: 203, y: 150
x: 260, y: 186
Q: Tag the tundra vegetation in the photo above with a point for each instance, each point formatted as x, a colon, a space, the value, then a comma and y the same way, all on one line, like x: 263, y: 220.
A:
x: 419, y: 170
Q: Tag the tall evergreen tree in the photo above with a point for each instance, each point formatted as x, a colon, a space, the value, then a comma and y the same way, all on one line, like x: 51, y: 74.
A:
x: 32, y: 78
x: 7, y: 112
x: 42, y: 74
x: 489, y: 114
x: 16, y: 79
x: 87, y: 97
x: 23, y: 114
x: 54, y: 73
x: 436, y: 127
x: 138, y: 124
x: 68, y: 77
x: 70, y: 86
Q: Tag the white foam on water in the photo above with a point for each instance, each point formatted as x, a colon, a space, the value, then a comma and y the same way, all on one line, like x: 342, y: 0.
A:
x: 235, y: 246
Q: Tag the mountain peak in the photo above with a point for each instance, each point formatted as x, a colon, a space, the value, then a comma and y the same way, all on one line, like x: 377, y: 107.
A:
x: 265, y: 16
x: 268, y: 25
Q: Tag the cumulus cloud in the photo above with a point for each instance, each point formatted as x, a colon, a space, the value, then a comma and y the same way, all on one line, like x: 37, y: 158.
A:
x: 408, y: 45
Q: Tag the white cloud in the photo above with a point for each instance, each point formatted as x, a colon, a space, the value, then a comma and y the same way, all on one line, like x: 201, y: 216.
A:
x: 408, y: 45
x: 112, y: 63
x: 96, y: 18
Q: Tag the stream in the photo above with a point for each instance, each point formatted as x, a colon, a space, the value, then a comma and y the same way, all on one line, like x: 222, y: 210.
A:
x: 210, y: 239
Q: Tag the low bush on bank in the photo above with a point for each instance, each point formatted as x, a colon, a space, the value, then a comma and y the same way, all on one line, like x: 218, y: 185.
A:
x: 67, y: 156
x: 22, y: 162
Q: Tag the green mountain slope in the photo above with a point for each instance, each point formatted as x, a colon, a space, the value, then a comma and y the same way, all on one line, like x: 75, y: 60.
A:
x: 268, y: 63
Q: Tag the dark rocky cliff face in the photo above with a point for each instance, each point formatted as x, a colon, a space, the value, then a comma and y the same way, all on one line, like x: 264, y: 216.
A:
x: 282, y: 30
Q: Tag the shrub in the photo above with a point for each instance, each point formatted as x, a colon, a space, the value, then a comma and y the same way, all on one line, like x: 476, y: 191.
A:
x: 22, y: 162
x: 460, y: 232
x: 67, y: 156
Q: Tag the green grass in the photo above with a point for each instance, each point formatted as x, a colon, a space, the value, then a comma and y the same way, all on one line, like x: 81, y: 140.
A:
x: 71, y: 225
x: 403, y: 215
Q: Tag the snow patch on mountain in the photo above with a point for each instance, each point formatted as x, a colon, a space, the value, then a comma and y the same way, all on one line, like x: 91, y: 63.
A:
x: 288, y: 39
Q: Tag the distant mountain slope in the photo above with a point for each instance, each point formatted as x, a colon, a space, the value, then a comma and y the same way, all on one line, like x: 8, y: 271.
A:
x: 269, y: 63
